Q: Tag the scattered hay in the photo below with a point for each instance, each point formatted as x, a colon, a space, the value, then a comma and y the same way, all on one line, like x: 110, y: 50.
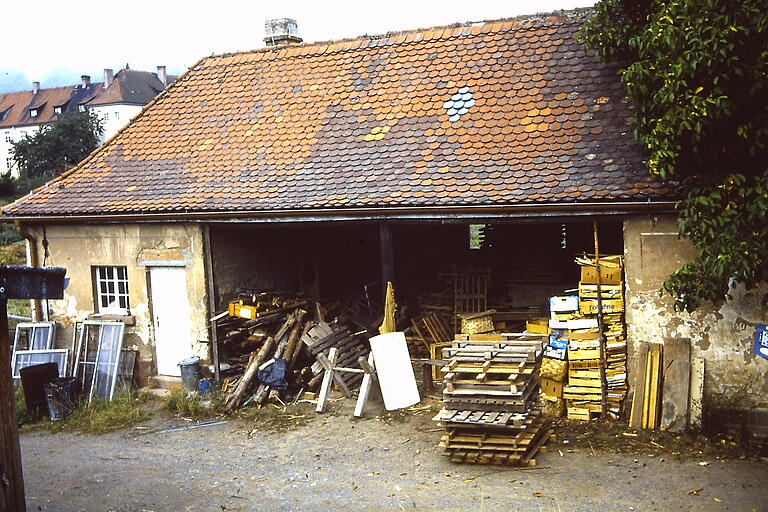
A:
x: 618, y: 437
x: 277, y: 418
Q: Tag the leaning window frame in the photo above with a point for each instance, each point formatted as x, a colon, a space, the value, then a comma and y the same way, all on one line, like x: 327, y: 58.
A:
x: 42, y: 343
x: 82, y: 361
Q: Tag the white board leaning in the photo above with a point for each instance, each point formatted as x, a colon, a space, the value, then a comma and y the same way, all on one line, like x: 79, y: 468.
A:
x: 394, y: 371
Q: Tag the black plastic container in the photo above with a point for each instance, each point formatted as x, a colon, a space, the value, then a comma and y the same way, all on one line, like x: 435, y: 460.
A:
x: 32, y: 380
x: 63, y: 396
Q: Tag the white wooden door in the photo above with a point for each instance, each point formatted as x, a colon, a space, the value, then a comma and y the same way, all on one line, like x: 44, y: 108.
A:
x: 170, y: 311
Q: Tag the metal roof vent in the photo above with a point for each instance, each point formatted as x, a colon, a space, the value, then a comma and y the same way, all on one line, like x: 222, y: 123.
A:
x: 281, y: 31
x: 459, y: 104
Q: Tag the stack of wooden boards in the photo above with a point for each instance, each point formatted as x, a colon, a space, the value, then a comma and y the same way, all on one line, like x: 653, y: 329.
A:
x: 583, y: 390
x: 668, y: 386
x: 322, y: 337
x: 489, y: 401
x: 272, y: 348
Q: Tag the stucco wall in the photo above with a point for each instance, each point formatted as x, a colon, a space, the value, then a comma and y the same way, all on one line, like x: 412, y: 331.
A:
x: 734, y: 376
x: 77, y: 248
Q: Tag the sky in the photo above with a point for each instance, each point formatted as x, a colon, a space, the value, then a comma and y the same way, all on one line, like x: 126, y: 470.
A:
x: 54, y: 42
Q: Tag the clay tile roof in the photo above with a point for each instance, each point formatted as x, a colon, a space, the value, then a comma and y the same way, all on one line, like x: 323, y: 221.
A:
x: 506, y: 112
x: 131, y: 86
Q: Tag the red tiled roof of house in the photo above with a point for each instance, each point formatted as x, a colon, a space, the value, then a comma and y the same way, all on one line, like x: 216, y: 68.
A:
x: 498, y: 113
x: 128, y: 87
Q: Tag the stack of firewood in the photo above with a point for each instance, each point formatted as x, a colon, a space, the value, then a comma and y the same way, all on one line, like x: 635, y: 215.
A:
x: 269, y: 348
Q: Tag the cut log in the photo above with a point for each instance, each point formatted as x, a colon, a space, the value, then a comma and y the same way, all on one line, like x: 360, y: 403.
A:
x: 293, y: 339
x: 235, y: 399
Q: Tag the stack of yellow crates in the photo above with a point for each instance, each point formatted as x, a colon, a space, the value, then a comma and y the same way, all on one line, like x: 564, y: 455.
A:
x: 583, y: 391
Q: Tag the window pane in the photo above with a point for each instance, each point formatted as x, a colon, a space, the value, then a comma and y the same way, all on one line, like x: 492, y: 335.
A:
x: 112, y: 288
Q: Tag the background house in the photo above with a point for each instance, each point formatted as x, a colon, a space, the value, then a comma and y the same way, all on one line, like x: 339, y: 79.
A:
x: 324, y: 167
x: 115, y: 100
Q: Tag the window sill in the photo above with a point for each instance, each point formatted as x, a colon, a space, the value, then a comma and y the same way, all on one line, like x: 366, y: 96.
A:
x: 126, y: 319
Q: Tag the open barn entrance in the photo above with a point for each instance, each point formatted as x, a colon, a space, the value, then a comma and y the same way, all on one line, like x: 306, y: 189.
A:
x: 438, y: 270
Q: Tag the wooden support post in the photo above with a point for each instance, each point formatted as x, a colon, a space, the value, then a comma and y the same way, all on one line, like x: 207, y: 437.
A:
x: 210, y: 291
x: 426, y: 377
x: 601, y: 330
x: 365, y: 388
x: 325, y: 387
x: 11, y: 477
x: 387, y: 254
x: 329, y: 364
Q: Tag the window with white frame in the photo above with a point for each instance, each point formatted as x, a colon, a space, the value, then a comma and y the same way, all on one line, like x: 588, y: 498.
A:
x: 8, y: 137
x: 9, y: 163
x: 111, y: 287
x: 33, y: 112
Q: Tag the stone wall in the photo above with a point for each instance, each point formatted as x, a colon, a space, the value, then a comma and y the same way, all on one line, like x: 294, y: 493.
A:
x: 735, y: 378
x: 136, y: 246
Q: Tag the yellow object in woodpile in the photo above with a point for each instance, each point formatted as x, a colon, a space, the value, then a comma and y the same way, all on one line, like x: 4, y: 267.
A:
x: 239, y: 310
x: 388, y: 324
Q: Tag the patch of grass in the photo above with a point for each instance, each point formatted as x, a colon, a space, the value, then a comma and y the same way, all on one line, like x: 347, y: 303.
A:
x: 194, y: 406
x: 100, y: 416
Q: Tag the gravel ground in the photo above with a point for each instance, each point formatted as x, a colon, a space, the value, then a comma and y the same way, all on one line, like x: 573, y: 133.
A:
x: 382, y: 462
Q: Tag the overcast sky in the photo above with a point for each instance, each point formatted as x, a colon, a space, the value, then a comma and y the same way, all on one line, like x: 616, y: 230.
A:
x: 54, y: 41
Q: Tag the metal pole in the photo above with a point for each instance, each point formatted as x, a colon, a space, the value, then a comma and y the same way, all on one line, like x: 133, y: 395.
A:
x: 601, y: 329
x: 11, y: 476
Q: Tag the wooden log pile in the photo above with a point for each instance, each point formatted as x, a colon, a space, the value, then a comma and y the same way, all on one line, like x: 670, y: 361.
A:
x: 490, y: 408
x: 257, y: 334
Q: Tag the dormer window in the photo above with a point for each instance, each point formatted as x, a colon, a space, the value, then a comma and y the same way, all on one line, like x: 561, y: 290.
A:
x: 33, y: 112
x: 81, y: 108
x: 57, y: 110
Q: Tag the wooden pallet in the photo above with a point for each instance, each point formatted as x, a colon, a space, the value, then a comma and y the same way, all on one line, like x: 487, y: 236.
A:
x: 488, y: 404
x: 468, y: 448
x: 486, y: 418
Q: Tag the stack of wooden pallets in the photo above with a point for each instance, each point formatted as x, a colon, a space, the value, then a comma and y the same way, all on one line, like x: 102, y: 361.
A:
x: 489, y: 401
x: 583, y: 391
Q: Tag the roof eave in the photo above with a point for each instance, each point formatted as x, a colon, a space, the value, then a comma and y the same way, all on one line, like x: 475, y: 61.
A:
x: 405, y: 213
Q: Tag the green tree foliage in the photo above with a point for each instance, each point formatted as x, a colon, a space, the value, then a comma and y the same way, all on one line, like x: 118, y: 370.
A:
x: 57, y: 146
x: 696, y: 72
